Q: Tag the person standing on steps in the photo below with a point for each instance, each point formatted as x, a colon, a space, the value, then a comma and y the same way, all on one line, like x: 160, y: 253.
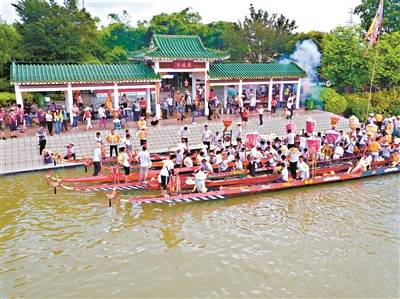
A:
x: 145, y: 163
x: 143, y: 105
x: 274, y: 102
x: 113, y: 140
x: 49, y: 121
x: 41, y: 136
x: 260, y: 111
x: 206, y: 137
x: 97, y: 159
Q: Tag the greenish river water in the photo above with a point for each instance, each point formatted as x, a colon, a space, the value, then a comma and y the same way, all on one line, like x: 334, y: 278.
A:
x: 339, y: 240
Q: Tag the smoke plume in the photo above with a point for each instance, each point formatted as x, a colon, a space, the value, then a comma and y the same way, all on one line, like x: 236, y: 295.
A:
x: 307, y: 57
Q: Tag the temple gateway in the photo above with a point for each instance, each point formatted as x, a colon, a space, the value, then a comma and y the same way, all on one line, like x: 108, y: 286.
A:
x: 171, y: 63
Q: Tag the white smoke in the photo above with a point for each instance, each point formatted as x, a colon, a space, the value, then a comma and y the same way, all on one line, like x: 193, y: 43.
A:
x: 307, y: 57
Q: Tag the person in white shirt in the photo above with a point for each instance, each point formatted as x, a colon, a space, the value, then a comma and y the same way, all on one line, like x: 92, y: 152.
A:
x: 207, y: 137
x: 170, y: 102
x: 290, y: 105
x: 165, y: 172
x: 238, y: 164
x: 98, y: 138
x: 284, y: 174
x: 294, y: 155
x: 339, y: 151
x: 97, y: 159
x: 304, y: 169
x: 102, y: 116
x: 123, y: 160
x: 179, y: 157
x: 303, y: 143
x: 184, y: 133
x: 145, y: 163
x: 200, y: 179
x: 290, y: 137
x: 260, y: 111
x: 253, y: 101
x: 239, y: 133
x: 188, y: 162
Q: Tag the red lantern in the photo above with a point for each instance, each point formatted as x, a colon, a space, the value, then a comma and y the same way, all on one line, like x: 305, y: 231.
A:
x: 310, y: 125
x: 251, y: 139
x: 291, y: 127
x: 332, y: 136
x: 313, y: 145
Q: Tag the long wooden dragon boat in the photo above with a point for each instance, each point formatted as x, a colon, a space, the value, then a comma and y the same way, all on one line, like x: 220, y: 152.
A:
x: 243, y: 190
x: 215, y: 180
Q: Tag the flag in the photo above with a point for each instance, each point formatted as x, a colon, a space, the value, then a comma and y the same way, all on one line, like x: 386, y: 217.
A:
x: 373, y: 31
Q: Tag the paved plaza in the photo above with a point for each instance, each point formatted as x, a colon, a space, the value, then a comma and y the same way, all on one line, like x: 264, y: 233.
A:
x: 22, y: 153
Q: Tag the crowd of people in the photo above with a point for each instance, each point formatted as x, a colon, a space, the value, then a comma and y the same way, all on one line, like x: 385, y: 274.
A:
x: 290, y: 155
x: 180, y: 105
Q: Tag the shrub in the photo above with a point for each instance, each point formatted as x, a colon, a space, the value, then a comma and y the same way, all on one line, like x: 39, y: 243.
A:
x: 387, y: 101
x: 356, y: 105
x: 333, y: 101
x: 6, y: 98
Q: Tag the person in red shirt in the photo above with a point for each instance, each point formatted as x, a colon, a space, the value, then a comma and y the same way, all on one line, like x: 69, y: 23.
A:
x: 143, y: 106
x: 274, y: 102
x: 245, y: 116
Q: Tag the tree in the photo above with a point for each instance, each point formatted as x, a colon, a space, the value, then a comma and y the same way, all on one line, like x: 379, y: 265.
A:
x: 183, y: 22
x: 267, y: 36
x: 334, y: 102
x: 233, y: 42
x: 213, y: 36
x: 391, y: 15
x: 316, y: 36
x: 50, y: 32
x: 388, y: 60
x: 343, y: 59
x: 9, y: 39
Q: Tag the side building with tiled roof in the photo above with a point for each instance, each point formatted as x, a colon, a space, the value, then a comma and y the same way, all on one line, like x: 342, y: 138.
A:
x: 166, y: 56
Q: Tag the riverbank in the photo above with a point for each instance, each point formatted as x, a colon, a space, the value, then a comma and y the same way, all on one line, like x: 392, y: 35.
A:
x: 22, y: 154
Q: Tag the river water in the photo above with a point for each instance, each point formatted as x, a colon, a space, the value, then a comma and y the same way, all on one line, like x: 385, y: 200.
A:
x: 339, y: 240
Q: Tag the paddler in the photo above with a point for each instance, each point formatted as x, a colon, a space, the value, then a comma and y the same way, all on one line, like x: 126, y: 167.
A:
x: 142, y: 122
x: 200, y: 181
x: 123, y: 160
x: 188, y: 162
x: 142, y: 135
x: 145, y: 163
x: 113, y: 139
x: 164, y: 176
x: 97, y: 155
x: 304, y: 169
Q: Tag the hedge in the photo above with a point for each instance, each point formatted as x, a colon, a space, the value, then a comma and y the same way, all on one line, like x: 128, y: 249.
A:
x: 7, y: 98
x: 333, y: 102
x: 386, y: 101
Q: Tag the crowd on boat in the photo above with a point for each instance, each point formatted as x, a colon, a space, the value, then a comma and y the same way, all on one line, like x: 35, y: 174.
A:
x: 293, y: 155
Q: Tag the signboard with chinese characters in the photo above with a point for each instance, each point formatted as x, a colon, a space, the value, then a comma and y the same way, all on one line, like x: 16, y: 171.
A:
x: 182, y: 64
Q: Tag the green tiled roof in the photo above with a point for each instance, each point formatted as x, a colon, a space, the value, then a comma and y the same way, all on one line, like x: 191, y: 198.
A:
x: 72, y: 73
x: 179, y: 47
x: 221, y: 71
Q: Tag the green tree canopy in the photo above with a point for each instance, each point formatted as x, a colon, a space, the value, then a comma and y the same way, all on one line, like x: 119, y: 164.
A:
x: 388, y: 60
x: 391, y: 14
x: 182, y: 22
x: 9, y: 39
x: 51, y: 32
x: 343, y: 59
x: 265, y: 36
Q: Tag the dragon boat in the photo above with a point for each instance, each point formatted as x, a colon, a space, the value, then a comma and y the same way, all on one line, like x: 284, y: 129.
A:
x: 245, y: 190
